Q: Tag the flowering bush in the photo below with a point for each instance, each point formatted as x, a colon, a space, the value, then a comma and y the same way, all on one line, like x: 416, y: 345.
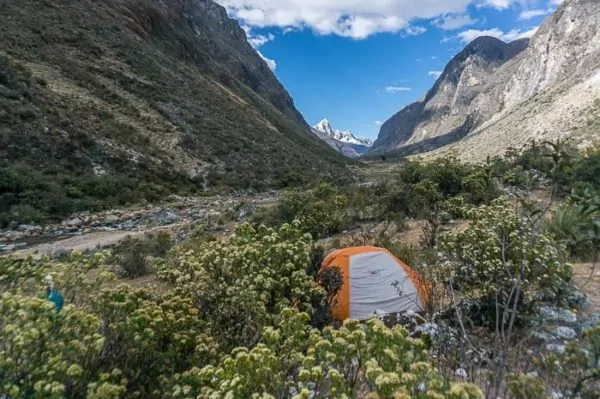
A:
x: 103, y: 343
x: 502, y: 255
x: 294, y: 361
x: 149, y: 337
x: 42, y: 353
x: 241, y: 282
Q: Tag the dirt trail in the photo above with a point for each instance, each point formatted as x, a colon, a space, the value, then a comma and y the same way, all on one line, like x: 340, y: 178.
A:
x: 87, y: 241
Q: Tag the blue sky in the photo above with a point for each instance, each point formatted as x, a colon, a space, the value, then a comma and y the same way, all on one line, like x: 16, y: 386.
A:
x: 357, y: 62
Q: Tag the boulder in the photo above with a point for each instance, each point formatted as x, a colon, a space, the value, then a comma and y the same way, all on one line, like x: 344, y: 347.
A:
x: 198, y: 214
x: 557, y: 348
x: 576, y: 299
x: 74, y: 222
x: 564, y: 332
x: 556, y: 314
x: 167, y: 217
x: 591, y: 321
x: 543, y: 336
x: 246, y: 211
x: 29, y: 228
x: 110, y: 219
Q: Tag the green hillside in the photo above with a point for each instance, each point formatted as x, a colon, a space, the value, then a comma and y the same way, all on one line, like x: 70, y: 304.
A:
x: 110, y: 102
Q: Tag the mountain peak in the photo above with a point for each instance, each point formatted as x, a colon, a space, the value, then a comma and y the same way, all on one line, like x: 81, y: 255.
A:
x: 493, y: 92
x: 346, y: 136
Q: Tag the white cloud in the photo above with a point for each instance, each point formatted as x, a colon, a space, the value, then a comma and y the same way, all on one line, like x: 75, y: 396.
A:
x: 556, y: 2
x: 357, y: 19
x: 505, y: 4
x: 270, y: 63
x: 433, y: 57
x: 435, y: 74
x: 529, y: 14
x: 472, y: 34
x: 497, y: 4
x: 378, y: 123
x: 454, y: 21
x: 396, y: 89
x: 415, y: 30
x: 257, y: 41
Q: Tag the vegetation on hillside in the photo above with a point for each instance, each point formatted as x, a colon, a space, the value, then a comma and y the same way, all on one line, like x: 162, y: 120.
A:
x: 247, y: 315
x: 115, y: 102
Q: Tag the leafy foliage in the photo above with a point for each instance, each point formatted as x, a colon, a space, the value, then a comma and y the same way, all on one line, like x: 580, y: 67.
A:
x: 501, y: 250
x: 241, y: 282
x: 132, y: 254
x: 575, y: 224
x: 250, y: 289
x: 293, y: 360
x: 574, y: 372
x: 320, y: 212
x: 423, y: 188
x: 94, y: 115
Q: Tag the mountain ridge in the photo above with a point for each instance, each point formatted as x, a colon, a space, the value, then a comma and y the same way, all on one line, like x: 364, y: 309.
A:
x: 346, y: 136
x: 130, y: 100
x: 342, y: 141
x: 548, y: 89
x: 443, y: 108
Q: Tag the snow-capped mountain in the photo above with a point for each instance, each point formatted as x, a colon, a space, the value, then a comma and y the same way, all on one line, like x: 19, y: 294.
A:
x: 345, y: 136
x: 344, y: 142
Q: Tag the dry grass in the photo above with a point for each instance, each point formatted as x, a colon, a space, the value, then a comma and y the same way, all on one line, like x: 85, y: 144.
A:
x: 587, y: 278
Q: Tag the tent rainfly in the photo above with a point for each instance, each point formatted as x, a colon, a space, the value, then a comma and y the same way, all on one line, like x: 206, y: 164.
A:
x: 374, y: 282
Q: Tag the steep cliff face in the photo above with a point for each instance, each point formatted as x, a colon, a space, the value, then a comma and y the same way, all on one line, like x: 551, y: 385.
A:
x: 445, y: 108
x: 547, y: 90
x: 109, y: 102
x: 566, y: 48
x: 221, y: 47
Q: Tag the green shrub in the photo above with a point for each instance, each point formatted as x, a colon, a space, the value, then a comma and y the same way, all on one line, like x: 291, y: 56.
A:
x: 575, y: 224
x: 422, y: 189
x: 294, y: 361
x: 501, y: 250
x: 240, y: 282
x: 587, y: 171
x: 321, y: 212
x: 573, y: 373
x: 132, y: 256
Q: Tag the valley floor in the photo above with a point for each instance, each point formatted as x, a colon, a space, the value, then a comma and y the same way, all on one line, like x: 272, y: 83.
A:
x: 108, y: 228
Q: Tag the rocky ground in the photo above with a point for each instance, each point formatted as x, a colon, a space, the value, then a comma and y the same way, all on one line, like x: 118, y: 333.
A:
x: 87, y: 230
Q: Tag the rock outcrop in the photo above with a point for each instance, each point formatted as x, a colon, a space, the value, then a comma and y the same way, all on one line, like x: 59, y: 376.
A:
x: 445, y: 110
x: 494, y: 95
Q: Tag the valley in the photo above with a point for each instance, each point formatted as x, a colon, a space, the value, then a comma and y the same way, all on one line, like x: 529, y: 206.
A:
x: 172, y: 227
x: 87, y: 231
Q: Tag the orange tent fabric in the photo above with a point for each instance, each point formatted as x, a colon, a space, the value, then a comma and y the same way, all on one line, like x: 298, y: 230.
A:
x: 374, y: 280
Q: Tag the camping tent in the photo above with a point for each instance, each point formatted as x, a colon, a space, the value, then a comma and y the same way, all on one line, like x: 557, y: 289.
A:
x: 374, y: 282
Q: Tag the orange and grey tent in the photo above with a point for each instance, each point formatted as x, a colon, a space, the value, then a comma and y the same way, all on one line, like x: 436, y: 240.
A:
x: 374, y: 282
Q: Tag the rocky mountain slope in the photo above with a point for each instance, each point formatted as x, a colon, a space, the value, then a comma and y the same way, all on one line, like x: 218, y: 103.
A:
x: 109, y: 102
x: 342, y: 141
x: 494, y: 95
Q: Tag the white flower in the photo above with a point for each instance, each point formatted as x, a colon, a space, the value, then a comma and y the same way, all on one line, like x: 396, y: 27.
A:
x: 461, y: 373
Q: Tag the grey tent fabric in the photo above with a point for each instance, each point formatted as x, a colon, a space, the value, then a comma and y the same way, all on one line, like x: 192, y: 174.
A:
x: 379, y: 284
